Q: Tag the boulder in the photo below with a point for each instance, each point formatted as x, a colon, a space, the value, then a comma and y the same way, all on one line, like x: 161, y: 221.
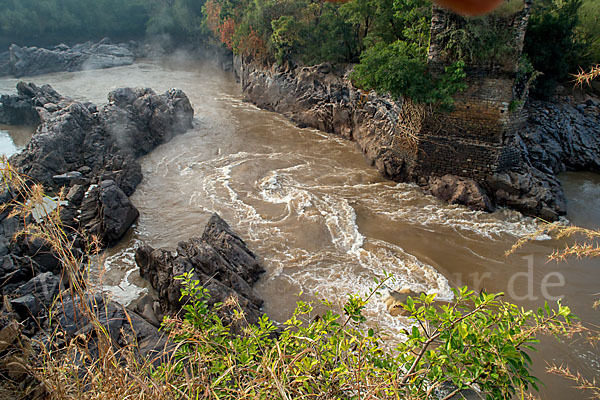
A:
x: 219, y: 235
x: 530, y: 191
x: 36, y: 296
x: 107, y: 212
x: 69, y: 178
x: 457, y: 190
x: 122, y: 326
x: 219, y: 259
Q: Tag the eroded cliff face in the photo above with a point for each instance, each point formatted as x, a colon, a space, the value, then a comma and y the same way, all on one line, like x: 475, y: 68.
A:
x: 322, y: 97
x: 399, y: 140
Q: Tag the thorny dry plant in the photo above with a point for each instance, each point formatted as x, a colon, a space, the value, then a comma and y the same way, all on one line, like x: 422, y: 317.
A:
x: 586, y: 77
x: 586, y: 245
x: 409, y: 126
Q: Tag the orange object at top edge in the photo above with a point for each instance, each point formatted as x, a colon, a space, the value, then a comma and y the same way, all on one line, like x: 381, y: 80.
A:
x: 464, y: 7
x: 470, y: 7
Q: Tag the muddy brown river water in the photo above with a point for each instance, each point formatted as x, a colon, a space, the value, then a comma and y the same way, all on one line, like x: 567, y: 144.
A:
x: 322, y: 220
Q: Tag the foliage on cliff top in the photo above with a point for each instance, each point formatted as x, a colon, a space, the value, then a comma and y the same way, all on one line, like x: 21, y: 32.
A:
x: 557, y: 44
x: 399, y: 70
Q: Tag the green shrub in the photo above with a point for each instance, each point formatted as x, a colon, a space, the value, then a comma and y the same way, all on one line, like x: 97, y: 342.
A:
x: 588, y: 29
x: 477, y: 340
x: 400, y: 69
x: 552, y: 45
x: 482, y: 41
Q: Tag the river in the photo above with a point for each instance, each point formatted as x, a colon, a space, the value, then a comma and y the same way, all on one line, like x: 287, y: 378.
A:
x: 322, y: 220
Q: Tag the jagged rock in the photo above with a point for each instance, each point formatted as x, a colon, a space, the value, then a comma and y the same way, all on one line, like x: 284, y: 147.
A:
x: 530, y: 191
x: 21, y: 109
x: 36, y: 295
x: 106, y: 141
x: 563, y: 137
x: 457, y: 190
x: 145, y: 307
x: 39, y: 251
x: 123, y: 326
x: 107, y: 212
x: 15, y: 270
x: 220, y: 260
x: 219, y: 235
x: 30, y: 61
x: 76, y: 194
x: 71, y: 177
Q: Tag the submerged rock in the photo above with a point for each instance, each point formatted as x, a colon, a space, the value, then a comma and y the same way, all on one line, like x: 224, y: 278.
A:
x: 219, y: 259
x: 30, y: 61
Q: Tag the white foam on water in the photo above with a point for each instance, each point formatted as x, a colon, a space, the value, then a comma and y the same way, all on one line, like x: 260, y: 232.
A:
x: 412, y: 206
x: 125, y: 292
x: 120, y: 266
x: 346, y: 266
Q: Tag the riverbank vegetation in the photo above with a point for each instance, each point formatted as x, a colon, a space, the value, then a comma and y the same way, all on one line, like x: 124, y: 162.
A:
x: 477, y: 340
x: 389, y: 39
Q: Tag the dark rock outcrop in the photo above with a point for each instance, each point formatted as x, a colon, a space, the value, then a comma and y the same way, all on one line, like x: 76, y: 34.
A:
x: 35, y: 297
x: 107, y: 212
x: 124, y: 327
x: 77, y: 145
x: 92, y: 154
x: 100, y: 144
x: 563, y: 136
x: 557, y: 137
x: 30, y: 61
x: 221, y: 261
x: 457, y: 190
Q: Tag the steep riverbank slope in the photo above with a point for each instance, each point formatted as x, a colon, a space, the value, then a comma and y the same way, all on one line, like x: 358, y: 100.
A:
x: 557, y: 137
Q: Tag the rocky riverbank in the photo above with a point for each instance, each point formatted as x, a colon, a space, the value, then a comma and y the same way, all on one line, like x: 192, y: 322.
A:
x: 557, y: 137
x: 31, y: 61
x: 91, y: 153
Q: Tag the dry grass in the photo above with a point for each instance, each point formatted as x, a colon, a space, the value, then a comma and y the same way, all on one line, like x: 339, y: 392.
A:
x: 64, y: 365
x: 588, y: 248
x: 586, y: 245
x: 409, y: 126
x: 581, y: 383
